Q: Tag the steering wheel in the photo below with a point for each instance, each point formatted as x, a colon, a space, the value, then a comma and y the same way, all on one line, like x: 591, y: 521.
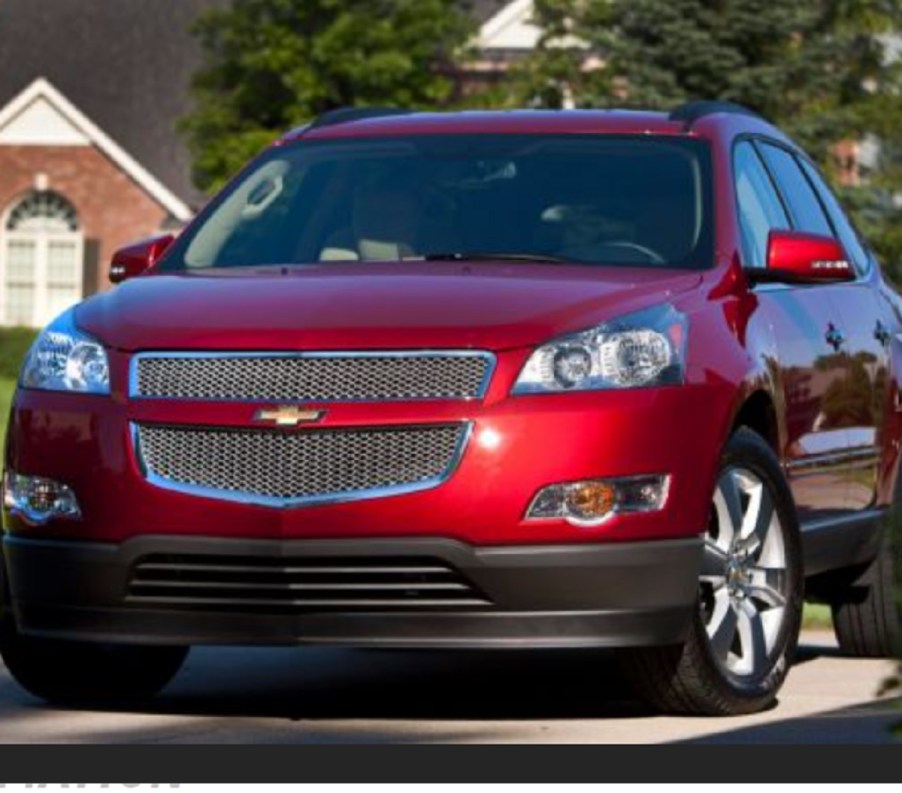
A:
x: 607, y: 251
x: 652, y: 255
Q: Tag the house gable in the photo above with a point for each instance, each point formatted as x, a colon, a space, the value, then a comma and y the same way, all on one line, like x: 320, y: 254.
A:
x: 40, y: 123
x: 511, y: 28
x: 23, y: 120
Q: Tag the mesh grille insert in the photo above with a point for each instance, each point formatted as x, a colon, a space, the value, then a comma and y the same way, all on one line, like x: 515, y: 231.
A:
x: 299, y: 466
x: 300, y: 378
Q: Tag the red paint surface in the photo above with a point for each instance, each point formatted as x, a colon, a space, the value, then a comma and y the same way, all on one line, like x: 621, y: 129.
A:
x: 742, y: 344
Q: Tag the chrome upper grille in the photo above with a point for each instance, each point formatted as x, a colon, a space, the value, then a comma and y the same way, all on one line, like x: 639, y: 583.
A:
x: 261, y: 583
x: 311, y: 377
x: 284, y: 468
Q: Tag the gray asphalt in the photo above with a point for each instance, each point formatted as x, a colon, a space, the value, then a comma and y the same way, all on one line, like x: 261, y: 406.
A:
x: 297, y: 695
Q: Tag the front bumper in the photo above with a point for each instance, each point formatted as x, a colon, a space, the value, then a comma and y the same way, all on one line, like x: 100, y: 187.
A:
x: 517, y: 447
x: 620, y: 595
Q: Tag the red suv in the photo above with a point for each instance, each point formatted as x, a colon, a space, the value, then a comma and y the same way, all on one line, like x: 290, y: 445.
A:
x: 527, y: 379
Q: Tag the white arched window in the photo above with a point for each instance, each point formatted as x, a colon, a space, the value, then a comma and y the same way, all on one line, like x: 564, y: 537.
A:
x: 40, y: 259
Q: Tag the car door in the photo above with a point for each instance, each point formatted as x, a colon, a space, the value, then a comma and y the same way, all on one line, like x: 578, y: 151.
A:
x: 808, y: 338
x: 869, y: 352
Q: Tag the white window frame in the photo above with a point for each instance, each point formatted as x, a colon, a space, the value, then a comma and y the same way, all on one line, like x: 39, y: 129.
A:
x: 41, y: 310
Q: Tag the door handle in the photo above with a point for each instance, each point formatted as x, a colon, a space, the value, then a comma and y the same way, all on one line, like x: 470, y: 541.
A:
x: 835, y: 337
x: 882, y: 333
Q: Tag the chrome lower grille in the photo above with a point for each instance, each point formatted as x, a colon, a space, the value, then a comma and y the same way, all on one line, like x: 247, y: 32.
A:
x: 298, y: 584
x: 278, y: 468
x: 311, y: 377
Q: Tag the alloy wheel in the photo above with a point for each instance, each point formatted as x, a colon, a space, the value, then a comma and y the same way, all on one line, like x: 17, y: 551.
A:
x: 744, y: 580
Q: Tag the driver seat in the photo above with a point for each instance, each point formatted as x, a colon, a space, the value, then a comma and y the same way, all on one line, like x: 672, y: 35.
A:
x: 383, y: 225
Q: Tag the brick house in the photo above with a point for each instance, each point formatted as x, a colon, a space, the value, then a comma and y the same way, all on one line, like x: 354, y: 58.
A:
x: 90, y: 157
x: 71, y: 196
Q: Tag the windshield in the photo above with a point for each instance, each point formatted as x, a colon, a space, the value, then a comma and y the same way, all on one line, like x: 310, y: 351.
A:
x: 593, y: 200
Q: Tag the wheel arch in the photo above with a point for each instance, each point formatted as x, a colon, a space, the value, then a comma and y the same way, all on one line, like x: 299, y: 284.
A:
x: 757, y: 410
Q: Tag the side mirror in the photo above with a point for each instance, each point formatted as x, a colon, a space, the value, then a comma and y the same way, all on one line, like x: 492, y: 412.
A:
x: 136, y: 259
x: 794, y: 257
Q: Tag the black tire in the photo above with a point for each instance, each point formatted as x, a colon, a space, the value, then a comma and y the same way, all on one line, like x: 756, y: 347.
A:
x: 866, y: 615
x: 80, y: 673
x: 689, y: 679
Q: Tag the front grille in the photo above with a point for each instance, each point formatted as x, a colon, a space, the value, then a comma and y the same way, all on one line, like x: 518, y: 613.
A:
x: 311, y: 377
x: 274, y: 467
x: 299, y: 584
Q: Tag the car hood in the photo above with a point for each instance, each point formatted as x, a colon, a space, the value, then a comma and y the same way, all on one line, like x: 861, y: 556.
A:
x: 371, y: 306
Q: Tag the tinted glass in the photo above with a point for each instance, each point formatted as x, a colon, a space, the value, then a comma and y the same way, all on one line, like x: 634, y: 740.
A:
x: 606, y: 200
x: 844, y: 230
x: 807, y: 213
x: 760, y: 210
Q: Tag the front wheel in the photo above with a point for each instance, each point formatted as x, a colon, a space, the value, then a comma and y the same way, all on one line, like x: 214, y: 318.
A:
x: 745, y: 630
x: 77, y: 673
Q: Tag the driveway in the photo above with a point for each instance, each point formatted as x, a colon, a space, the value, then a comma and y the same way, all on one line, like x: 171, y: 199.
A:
x: 327, y: 696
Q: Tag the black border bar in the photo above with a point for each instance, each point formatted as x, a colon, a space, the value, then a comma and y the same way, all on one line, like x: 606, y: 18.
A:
x: 451, y: 764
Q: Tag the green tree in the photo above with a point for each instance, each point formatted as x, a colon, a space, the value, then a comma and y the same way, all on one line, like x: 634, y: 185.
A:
x: 820, y: 69
x: 273, y: 64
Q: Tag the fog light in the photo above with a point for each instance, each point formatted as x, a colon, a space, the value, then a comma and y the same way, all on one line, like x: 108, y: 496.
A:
x: 592, y: 502
x: 589, y: 500
x: 37, y: 500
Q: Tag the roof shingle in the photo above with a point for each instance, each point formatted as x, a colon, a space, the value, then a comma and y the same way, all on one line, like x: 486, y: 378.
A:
x: 125, y: 63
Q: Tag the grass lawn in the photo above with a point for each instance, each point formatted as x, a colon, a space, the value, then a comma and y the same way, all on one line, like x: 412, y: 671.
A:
x: 6, y: 394
x: 817, y: 617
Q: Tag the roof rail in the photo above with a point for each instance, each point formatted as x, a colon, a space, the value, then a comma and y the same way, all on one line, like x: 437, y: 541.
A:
x: 344, y: 115
x: 690, y: 112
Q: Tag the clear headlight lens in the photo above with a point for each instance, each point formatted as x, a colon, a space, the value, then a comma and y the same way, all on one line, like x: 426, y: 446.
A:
x: 638, y: 350
x: 65, y: 359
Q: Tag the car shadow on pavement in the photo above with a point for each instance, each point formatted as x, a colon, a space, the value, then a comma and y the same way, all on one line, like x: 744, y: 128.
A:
x: 336, y: 696
x: 372, y: 684
x: 321, y: 684
x: 811, y: 652
x: 863, y: 724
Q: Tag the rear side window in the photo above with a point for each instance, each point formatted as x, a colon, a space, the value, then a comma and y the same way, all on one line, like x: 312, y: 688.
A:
x: 806, y: 210
x: 760, y: 210
x: 847, y: 235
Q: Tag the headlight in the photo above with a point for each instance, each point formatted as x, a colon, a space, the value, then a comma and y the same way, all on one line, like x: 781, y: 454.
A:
x: 642, y: 349
x: 65, y: 359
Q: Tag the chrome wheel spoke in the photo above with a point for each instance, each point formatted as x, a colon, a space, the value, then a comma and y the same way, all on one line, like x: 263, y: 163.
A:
x: 744, y: 580
x: 728, y: 506
x: 722, y: 626
x: 757, y: 522
x: 752, y: 638
x: 767, y: 585
x: 714, y: 564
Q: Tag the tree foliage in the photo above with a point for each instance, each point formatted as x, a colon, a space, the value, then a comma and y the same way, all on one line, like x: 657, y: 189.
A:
x: 820, y: 69
x: 273, y: 64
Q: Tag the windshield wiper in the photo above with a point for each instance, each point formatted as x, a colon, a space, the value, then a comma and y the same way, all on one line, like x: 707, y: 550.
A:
x: 485, y: 256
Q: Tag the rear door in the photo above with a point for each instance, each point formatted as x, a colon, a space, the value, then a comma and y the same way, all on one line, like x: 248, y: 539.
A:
x: 808, y: 335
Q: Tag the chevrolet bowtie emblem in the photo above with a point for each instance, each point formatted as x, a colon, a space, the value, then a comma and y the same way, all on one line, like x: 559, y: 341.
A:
x: 288, y: 415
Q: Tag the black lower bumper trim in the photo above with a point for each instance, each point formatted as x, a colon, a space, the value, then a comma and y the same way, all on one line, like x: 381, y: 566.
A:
x: 627, y: 594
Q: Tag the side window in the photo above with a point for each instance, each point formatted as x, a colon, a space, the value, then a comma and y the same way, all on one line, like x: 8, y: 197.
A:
x: 760, y: 210
x: 806, y: 210
x: 844, y: 230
